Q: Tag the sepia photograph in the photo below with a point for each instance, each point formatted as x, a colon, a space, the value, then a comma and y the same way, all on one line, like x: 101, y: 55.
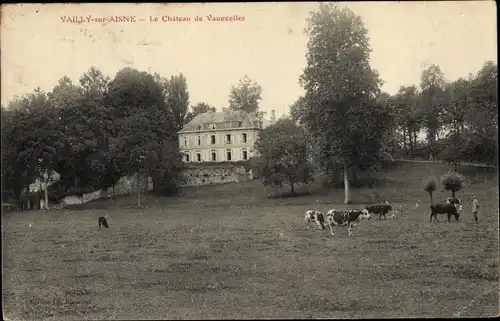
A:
x: 249, y: 160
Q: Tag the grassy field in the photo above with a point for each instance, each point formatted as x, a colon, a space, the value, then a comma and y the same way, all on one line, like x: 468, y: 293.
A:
x: 230, y: 251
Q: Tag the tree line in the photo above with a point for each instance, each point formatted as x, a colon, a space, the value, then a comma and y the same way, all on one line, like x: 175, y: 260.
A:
x: 345, y: 124
x: 96, y: 131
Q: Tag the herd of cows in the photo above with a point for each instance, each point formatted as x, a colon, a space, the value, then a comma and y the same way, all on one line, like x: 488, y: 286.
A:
x: 351, y: 218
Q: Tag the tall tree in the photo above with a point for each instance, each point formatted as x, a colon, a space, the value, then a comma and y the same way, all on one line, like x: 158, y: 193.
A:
x: 177, y: 98
x: 481, y: 116
x: 409, y: 115
x: 432, y: 86
x: 342, y: 111
x: 143, y: 121
x: 245, y: 96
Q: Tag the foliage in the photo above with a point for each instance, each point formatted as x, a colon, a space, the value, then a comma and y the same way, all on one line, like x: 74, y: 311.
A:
x: 432, y: 86
x: 452, y: 181
x: 176, y: 97
x: 341, y: 109
x: 283, y: 155
x: 430, y: 187
x: 245, y: 96
x: 197, y: 109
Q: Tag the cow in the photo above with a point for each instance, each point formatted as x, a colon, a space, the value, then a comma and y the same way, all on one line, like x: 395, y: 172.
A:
x: 347, y: 217
x: 381, y: 209
x: 448, y: 209
x: 315, y: 216
x: 455, y: 201
x: 102, y: 222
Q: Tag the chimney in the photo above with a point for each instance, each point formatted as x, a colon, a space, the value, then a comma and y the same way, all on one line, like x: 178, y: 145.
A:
x: 273, y: 116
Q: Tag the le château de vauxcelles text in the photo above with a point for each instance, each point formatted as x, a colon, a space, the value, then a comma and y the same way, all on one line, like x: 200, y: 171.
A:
x: 118, y: 19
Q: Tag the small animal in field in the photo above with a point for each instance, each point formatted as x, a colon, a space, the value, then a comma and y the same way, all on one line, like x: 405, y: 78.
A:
x: 448, y: 209
x: 315, y: 217
x: 351, y: 218
x: 103, y: 222
x: 381, y: 209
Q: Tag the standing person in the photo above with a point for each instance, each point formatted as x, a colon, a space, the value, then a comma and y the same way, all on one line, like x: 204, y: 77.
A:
x: 475, y: 207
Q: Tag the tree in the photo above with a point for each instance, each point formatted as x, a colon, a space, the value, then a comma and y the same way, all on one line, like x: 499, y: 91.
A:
x: 452, y: 181
x: 297, y: 109
x: 94, y: 83
x: 245, y: 96
x: 32, y: 140
x: 430, y: 187
x: 143, y: 122
x: 176, y: 97
x: 283, y: 155
x: 432, y: 86
x: 455, y: 107
x: 481, y: 115
x: 341, y: 109
x: 408, y: 115
x: 454, y: 149
x: 65, y: 94
x: 197, y: 109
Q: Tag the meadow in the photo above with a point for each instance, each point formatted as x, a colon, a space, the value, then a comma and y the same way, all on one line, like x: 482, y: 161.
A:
x: 232, y: 251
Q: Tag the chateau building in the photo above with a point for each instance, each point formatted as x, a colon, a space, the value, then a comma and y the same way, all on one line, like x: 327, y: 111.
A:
x: 227, y: 136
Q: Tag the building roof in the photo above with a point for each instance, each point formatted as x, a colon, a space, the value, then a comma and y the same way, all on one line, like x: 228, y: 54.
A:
x: 247, y: 119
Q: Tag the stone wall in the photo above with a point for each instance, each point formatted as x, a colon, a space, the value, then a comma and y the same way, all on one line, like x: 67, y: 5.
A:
x: 125, y: 186
x: 194, y: 175
x: 215, y: 174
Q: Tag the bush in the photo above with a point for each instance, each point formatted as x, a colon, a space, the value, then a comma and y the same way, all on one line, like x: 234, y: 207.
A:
x: 452, y: 181
x: 430, y: 185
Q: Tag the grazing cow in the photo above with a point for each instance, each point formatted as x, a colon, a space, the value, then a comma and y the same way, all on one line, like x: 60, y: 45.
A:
x: 315, y: 216
x: 103, y: 222
x: 455, y: 201
x: 348, y: 217
x: 381, y: 209
x: 448, y: 209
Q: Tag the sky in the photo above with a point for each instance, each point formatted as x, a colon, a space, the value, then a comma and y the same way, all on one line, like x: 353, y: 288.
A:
x: 268, y: 45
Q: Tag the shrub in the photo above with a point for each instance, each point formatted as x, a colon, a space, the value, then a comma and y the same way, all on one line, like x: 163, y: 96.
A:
x: 430, y: 186
x: 452, y: 181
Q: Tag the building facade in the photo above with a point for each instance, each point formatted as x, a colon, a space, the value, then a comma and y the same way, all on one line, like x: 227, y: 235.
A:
x: 227, y: 136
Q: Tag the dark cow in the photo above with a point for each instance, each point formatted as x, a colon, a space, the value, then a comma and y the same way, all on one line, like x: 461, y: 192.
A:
x: 348, y: 217
x: 455, y: 201
x: 103, y: 222
x: 448, y: 209
x: 315, y: 216
x: 381, y: 209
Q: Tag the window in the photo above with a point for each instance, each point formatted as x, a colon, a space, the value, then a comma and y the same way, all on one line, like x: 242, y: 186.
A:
x: 185, y: 142
x: 244, y: 137
x: 213, y: 126
x: 214, y: 156
x: 228, y: 153
x: 199, y: 127
x: 198, y: 140
x: 239, y: 123
x: 228, y: 138
x: 245, y: 154
x: 212, y: 139
x: 228, y: 125
x: 198, y: 157
x: 187, y: 158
